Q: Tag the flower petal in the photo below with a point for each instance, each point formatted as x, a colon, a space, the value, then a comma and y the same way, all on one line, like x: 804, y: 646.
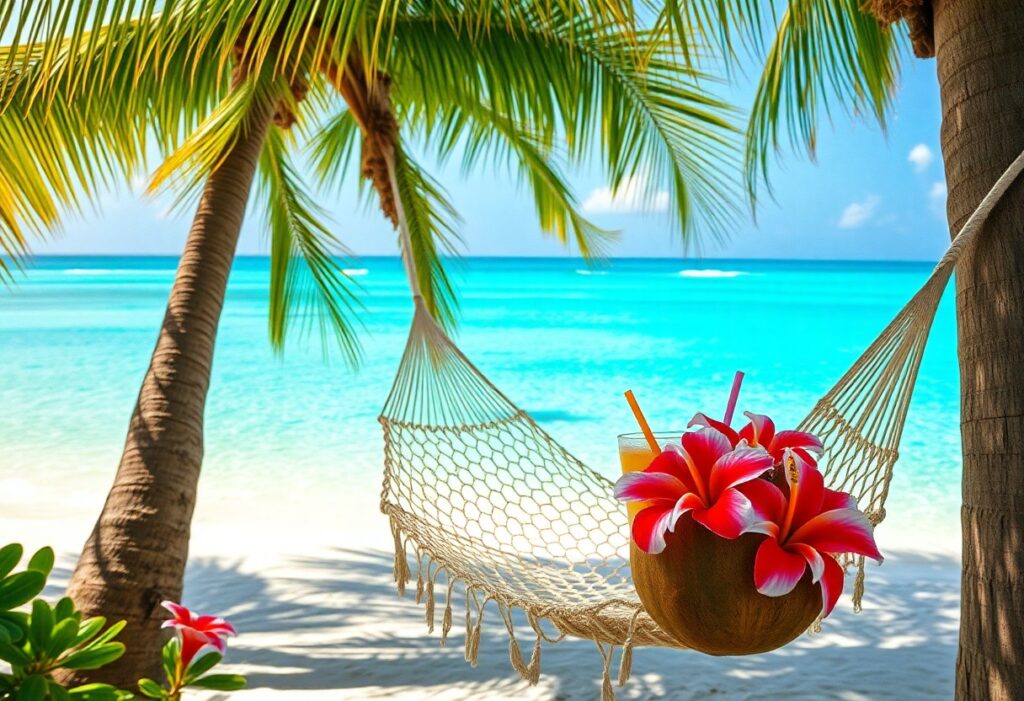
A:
x: 180, y: 613
x: 831, y: 585
x: 650, y: 526
x: 776, y: 571
x: 839, y: 531
x: 672, y: 461
x: 729, y: 516
x: 760, y: 430
x: 720, y: 426
x: 687, y: 502
x: 813, y: 557
x: 768, y: 503
x: 214, y: 625
x: 837, y: 500
x: 796, y: 439
x: 736, y: 467
x: 701, y: 449
x: 647, y: 486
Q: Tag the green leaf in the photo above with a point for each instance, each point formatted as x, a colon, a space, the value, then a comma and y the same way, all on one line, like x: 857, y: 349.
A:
x: 307, y: 281
x: 169, y: 657
x: 32, y: 688
x: 65, y: 608
x: 20, y: 588
x: 42, y: 561
x: 93, y: 657
x: 9, y: 557
x: 58, y: 692
x: 110, y: 633
x: 13, y: 655
x: 97, y: 692
x: 87, y: 629
x: 203, y: 665
x: 220, y: 682
x: 40, y: 626
x: 61, y: 638
x: 15, y: 623
x: 151, y: 689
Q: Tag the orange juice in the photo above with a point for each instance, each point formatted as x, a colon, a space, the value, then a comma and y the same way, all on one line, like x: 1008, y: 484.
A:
x: 635, y: 454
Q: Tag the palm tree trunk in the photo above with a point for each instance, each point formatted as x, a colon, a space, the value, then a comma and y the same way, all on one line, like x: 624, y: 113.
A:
x: 135, y: 557
x: 980, y: 56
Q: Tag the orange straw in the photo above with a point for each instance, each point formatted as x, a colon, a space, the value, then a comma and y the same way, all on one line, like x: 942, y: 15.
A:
x: 733, y: 396
x: 644, y: 426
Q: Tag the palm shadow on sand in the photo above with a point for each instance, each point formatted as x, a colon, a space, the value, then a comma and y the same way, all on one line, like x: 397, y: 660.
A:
x: 336, y: 623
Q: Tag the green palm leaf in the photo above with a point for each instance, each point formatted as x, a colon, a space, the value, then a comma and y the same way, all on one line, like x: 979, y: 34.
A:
x: 307, y: 283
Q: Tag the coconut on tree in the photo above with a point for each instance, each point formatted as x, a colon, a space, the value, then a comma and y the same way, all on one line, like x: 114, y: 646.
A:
x: 219, y: 89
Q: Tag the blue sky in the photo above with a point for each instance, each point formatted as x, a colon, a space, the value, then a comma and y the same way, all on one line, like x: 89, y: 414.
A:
x: 869, y: 196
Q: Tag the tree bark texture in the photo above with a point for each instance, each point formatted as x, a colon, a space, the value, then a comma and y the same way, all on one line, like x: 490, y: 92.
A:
x: 135, y: 557
x: 980, y: 61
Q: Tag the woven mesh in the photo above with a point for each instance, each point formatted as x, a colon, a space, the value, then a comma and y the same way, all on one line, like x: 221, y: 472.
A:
x: 476, y: 490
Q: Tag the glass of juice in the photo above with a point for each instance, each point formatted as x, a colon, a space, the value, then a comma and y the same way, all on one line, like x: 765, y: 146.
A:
x: 635, y: 454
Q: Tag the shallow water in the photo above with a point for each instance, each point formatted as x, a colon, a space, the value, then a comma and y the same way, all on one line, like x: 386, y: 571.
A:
x: 560, y: 339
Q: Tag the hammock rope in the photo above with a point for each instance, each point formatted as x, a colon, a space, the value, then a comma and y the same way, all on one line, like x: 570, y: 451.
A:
x: 477, y: 491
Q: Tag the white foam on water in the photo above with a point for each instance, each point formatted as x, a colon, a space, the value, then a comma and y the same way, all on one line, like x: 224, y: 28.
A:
x: 355, y: 272
x: 591, y: 272
x: 711, y: 273
x: 115, y: 271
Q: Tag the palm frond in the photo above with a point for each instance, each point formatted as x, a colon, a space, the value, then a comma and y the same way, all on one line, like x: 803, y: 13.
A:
x: 308, y: 285
x: 332, y: 147
x: 486, y: 138
x: 643, y: 113
x: 183, y: 173
x: 825, y: 52
x: 433, y: 226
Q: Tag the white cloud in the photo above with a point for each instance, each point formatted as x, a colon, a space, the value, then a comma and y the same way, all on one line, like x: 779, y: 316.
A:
x: 921, y: 156
x: 633, y: 196
x: 857, y: 214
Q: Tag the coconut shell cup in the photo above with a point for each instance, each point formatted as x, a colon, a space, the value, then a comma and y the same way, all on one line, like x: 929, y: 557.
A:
x: 700, y: 590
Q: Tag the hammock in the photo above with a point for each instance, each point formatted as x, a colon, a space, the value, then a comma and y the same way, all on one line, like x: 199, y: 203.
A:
x: 476, y: 490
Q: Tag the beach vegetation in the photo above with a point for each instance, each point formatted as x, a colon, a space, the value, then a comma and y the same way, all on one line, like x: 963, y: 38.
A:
x: 236, y: 95
x: 38, y: 641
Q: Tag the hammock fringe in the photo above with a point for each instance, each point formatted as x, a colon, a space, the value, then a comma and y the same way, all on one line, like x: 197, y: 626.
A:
x: 427, y: 572
x: 475, y: 489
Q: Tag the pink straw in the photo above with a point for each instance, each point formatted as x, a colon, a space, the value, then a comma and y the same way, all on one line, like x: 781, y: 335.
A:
x: 734, y: 394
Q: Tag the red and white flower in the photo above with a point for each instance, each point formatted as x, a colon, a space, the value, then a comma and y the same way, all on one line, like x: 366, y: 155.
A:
x: 761, y: 432
x: 806, y: 526
x: 198, y: 634
x: 700, y: 477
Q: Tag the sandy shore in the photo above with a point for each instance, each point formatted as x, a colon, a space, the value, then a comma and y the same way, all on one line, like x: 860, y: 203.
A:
x: 320, y: 619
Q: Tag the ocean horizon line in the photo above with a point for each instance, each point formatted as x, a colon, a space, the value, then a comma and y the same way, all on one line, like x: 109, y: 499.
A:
x: 486, y: 257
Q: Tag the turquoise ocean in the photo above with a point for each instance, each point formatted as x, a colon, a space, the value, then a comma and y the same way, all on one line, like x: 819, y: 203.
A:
x: 559, y: 338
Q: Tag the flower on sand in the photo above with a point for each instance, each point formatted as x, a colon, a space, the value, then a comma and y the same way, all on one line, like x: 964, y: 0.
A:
x: 699, y: 477
x: 198, y: 634
x: 806, y: 525
x: 761, y: 432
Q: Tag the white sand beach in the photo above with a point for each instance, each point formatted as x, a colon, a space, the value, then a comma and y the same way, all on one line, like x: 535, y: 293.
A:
x: 306, y: 578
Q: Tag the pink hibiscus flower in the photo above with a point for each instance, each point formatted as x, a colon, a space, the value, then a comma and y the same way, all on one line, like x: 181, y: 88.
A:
x: 761, y: 432
x: 198, y: 634
x: 699, y: 477
x: 806, y: 526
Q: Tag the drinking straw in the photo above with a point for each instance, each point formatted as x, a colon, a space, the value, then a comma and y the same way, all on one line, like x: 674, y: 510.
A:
x: 734, y: 394
x: 644, y: 426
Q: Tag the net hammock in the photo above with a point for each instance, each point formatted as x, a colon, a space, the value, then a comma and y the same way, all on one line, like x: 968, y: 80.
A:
x: 477, y: 492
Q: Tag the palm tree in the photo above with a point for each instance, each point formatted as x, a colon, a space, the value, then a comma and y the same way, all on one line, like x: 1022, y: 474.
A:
x: 219, y: 87
x: 848, y: 52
